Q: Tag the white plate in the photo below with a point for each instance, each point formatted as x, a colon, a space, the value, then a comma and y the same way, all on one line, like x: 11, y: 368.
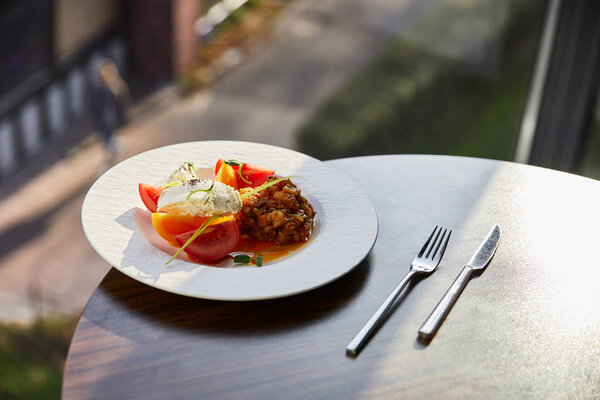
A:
x: 345, y: 230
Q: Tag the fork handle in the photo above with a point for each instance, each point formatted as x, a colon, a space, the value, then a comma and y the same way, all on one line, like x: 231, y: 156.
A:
x: 376, y: 319
x: 439, y: 313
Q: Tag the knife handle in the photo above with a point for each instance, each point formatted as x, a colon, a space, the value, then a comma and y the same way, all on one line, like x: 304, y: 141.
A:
x: 434, y: 321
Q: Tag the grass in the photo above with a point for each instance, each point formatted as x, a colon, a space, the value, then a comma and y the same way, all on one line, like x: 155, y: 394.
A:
x: 410, y: 100
x: 32, y: 358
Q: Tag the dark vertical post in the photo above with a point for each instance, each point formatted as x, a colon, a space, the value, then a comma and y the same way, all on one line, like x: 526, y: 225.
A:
x: 150, y: 39
x: 571, y: 87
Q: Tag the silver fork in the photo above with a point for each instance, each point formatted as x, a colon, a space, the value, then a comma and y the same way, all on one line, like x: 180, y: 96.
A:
x: 425, y: 263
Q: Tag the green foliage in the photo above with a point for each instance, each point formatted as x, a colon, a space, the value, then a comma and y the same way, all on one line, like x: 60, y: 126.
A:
x: 32, y: 358
x: 410, y: 100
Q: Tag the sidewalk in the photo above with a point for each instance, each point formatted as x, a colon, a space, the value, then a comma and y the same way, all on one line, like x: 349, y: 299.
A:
x: 47, y: 265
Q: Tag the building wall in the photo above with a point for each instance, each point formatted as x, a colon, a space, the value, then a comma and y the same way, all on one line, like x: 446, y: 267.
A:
x: 149, y: 40
x: 149, y: 26
x: 79, y: 21
x: 185, y: 15
x: 26, y: 45
x: 50, y: 108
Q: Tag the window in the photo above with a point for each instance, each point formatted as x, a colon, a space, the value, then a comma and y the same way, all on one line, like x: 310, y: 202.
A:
x: 452, y: 79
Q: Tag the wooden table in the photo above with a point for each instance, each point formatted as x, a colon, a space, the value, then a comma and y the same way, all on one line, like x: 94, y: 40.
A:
x: 527, y: 327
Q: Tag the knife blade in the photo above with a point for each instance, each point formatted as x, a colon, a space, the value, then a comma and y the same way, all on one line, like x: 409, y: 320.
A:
x: 486, y: 250
x: 482, y: 257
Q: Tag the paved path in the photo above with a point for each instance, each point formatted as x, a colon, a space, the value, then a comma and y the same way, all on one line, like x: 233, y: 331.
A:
x: 47, y: 265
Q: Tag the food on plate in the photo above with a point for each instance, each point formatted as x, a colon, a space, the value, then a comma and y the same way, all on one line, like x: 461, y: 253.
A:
x: 240, y: 174
x: 245, y: 212
x: 185, y: 172
x: 277, y: 214
x: 200, y: 197
x: 168, y: 226
x: 217, y: 241
x: 150, y: 194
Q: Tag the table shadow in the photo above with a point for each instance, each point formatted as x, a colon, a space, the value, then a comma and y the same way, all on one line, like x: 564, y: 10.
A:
x: 397, y: 303
x: 127, y: 307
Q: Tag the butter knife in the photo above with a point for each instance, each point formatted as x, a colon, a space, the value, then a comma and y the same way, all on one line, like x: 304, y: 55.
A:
x: 478, y: 262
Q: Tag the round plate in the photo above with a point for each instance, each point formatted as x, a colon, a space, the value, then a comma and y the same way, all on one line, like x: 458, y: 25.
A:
x: 345, y: 227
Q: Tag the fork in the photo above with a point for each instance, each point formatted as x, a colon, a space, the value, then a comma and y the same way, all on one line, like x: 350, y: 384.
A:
x: 425, y: 263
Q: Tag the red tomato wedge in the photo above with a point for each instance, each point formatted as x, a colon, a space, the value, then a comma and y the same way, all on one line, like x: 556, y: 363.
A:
x: 252, y: 173
x: 217, y: 241
x: 149, y: 195
x: 168, y: 226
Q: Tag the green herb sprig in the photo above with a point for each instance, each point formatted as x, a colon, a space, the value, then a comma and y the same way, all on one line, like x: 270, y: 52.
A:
x: 240, y: 165
x: 171, y: 184
x: 207, y: 191
x: 234, y: 163
x: 246, y: 259
x: 266, y: 185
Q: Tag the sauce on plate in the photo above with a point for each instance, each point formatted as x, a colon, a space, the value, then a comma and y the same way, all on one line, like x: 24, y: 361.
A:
x: 269, y: 251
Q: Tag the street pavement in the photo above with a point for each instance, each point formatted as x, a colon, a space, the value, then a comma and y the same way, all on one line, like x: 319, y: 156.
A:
x: 46, y: 264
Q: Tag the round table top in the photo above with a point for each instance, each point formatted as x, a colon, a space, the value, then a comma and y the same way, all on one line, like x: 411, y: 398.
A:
x: 527, y: 327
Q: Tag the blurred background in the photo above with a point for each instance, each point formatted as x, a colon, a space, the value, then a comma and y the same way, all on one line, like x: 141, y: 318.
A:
x: 86, y: 83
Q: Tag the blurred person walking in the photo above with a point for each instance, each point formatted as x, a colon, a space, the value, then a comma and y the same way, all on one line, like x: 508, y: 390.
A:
x: 111, y: 101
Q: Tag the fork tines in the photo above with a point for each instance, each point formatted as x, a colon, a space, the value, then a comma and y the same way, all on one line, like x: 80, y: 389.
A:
x: 430, y: 244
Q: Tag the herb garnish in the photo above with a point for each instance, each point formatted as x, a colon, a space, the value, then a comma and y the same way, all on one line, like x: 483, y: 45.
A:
x: 207, y: 191
x: 242, y: 176
x: 246, y: 259
x: 171, y: 184
x: 266, y: 185
x: 194, y: 236
x: 240, y: 164
x: 234, y: 163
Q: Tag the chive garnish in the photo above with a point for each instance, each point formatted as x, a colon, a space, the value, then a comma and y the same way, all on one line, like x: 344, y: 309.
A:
x: 171, y: 184
x: 240, y: 165
x: 266, y: 185
x: 194, y: 236
x: 207, y: 191
x: 242, y: 176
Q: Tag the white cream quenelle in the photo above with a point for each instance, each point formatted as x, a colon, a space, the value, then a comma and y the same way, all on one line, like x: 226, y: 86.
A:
x: 185, y: 172
x: 200, y: 197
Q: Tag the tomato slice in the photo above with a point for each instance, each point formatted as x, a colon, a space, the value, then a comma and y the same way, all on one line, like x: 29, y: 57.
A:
x: 217, y: 241
x: 227, y: 175
x: 150, y: 195
x: 254, y: 174
x: 220, y: 162
x: 168, y: 226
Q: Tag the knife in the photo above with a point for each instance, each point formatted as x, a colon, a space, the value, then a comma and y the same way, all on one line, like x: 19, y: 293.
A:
x: 478, y: 262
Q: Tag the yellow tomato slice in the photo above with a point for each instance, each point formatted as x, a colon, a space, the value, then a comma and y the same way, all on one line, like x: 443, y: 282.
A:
x: 170, y: 225
x: 227, y: 176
